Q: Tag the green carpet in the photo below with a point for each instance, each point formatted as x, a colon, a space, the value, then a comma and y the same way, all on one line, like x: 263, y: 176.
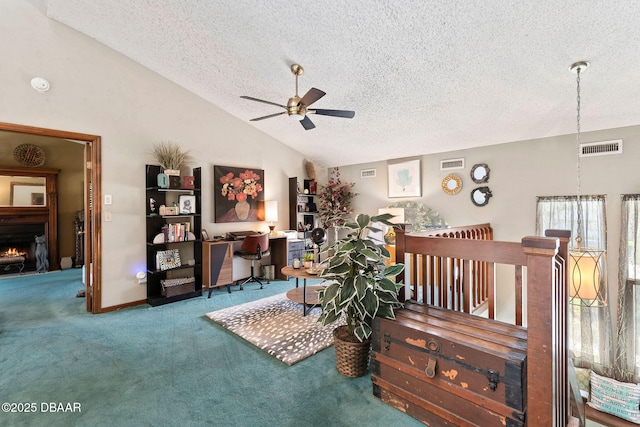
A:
x: 162, y: 366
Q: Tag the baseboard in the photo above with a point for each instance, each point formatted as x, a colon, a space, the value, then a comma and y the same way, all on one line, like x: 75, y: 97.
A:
x: 119, y: 306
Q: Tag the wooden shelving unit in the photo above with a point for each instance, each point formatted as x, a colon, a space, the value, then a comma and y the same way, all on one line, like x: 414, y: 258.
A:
x: 303, y: 207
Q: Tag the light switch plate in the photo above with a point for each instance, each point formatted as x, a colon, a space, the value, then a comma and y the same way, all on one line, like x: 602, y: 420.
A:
x: 108, y: 199
x: 107, y: 216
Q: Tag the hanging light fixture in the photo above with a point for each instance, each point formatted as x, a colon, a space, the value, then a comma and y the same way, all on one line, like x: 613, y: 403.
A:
x: 587, y: 269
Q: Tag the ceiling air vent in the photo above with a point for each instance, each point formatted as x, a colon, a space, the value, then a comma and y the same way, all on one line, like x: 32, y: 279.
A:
x: 451, y: 164
x: 367, y: 173
x: 601, y: 148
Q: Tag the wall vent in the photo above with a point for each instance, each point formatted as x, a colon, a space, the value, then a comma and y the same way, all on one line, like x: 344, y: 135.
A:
x: 451, y: 164
x: 601, y: 148
x: 367, y: 173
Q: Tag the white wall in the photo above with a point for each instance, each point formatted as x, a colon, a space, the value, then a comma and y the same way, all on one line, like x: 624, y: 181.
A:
x: 95, y: 90
x: 520, y: 171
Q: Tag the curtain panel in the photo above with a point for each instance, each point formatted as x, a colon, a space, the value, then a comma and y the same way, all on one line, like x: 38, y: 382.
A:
x: 627, y: 360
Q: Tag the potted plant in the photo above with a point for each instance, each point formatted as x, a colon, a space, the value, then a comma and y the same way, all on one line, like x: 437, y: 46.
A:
x: 307, y: 259
x: 170, y: 156
x: 361, y: 288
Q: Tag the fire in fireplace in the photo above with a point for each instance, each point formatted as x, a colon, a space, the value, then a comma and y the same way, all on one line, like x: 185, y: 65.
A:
x: 12, y: 252
x: 18, y: 240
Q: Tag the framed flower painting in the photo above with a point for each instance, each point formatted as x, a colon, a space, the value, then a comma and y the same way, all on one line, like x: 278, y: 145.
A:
x: 238, y: 194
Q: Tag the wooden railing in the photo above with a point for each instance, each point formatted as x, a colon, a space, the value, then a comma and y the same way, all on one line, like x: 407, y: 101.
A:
x: 441, y: 281
x: 451, y: 269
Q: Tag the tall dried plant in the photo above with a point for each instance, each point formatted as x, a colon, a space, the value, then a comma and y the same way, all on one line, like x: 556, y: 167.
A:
x: 335, y: 200
x: 170, y: 155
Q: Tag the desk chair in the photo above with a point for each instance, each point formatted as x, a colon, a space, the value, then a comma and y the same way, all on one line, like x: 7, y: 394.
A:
x: 253, y: 248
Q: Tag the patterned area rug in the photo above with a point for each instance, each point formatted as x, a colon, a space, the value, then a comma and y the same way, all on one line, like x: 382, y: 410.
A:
x: 276, y: 325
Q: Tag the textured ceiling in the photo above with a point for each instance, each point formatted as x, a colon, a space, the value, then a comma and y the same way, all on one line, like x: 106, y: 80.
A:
x: 423, y: 76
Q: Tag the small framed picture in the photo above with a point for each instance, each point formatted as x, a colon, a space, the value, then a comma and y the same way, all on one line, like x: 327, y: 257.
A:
x: 204, y: 235
x: 166, y: 260
x: 187, y: 204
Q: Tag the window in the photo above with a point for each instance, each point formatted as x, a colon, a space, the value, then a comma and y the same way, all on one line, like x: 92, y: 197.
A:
x: 628, y: 325
x: 589, y: 327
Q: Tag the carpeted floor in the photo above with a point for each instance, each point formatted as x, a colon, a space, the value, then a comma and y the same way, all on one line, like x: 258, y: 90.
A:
x: 276, y: 325
x: 162, y: 366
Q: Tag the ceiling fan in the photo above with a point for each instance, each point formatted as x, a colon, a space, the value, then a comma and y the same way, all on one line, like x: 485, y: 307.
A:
x: 298, y: 108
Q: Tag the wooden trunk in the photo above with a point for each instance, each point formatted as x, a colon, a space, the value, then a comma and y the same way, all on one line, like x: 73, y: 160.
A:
x: 447, y: 368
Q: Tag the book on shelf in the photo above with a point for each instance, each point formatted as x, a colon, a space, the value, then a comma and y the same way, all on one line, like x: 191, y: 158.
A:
x: 176, y: 232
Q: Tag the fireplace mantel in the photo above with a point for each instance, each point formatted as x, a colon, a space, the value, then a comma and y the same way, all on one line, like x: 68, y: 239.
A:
x: 47, y: 215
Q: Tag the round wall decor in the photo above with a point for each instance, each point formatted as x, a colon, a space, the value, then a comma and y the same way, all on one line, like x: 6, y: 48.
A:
x: 29, y: 155
x: 452, y: 184
x: 480, y: 196
x: 480, y: 173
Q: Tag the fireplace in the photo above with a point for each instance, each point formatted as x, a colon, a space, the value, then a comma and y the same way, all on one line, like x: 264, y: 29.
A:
x: 18, y: 247
x: 21, y: 222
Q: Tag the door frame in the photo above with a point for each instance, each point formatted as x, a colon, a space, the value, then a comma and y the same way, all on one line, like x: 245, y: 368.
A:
x: 92, y: 205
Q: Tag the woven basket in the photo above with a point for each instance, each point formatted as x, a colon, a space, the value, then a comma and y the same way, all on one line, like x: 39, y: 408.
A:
x: 352, y: 358
x: 173, y: 287
x: 29, y: 155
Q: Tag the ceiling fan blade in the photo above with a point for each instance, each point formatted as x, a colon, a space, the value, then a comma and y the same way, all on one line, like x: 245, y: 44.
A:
x: 307, y: 123
x: 263, y: 101
x: 312, y: 96
x: 335, y: 113
x: 267, y: 117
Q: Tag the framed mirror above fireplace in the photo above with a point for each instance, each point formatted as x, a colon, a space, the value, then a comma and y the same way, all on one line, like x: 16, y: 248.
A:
x: 23, y: 193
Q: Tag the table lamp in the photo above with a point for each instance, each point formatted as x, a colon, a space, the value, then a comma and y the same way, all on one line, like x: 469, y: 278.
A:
x: 271, y: 214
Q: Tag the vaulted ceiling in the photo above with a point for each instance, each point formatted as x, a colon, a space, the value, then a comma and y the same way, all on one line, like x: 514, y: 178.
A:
x: 423, y: 76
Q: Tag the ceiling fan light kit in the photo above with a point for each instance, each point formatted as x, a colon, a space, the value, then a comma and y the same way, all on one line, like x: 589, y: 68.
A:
x: 297, y: 108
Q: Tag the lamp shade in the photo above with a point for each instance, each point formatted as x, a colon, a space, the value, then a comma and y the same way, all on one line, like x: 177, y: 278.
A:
x: 586, y: 276
x: 271, y: 210
x: 398, y: 214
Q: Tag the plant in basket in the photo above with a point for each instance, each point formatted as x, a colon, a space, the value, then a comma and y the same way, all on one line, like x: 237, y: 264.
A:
x: 361, y: 288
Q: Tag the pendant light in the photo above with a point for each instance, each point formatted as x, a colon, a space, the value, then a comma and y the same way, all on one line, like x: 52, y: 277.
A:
x: 587, y: 266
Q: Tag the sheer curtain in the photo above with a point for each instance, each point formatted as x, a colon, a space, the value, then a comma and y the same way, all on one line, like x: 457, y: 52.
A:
x: 589, y: 327
x: 627, y: 363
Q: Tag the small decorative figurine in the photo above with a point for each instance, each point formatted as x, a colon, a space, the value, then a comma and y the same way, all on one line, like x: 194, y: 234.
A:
x: 42, y: 263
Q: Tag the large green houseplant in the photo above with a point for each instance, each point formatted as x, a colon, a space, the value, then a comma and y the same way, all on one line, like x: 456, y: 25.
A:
x: 361, y: 285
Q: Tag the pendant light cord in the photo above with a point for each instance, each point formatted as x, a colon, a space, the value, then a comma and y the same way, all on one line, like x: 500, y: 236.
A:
x: 578, y: 142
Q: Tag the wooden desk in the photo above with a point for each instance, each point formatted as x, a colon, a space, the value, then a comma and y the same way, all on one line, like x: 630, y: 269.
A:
x: 217, y: 264
x: 307, y: 296
x: 217, y: 261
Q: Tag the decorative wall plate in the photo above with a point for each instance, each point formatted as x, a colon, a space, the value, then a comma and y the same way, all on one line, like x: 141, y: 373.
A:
x: 29, y: 155
x: 480, y: 173
x: 480, y: 196
x: 452, y: 184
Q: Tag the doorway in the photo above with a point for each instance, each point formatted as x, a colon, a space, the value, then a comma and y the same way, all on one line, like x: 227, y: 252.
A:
x: 92, y: 205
